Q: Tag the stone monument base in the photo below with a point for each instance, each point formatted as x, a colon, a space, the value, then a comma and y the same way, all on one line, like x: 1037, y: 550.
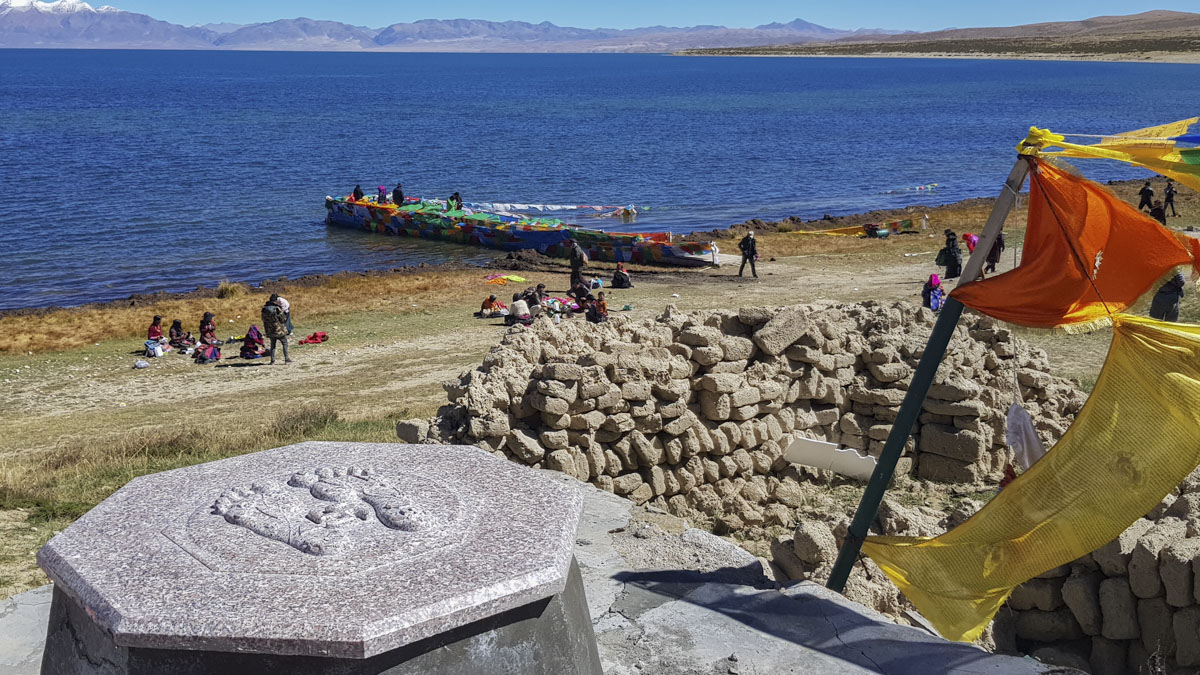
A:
x: 552, y: 636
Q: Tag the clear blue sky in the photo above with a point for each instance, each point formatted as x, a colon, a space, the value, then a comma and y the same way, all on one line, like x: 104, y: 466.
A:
x: 921, y: 15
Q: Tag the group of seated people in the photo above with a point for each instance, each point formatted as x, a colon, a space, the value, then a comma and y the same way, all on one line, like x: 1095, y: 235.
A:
x: 535, y: 301
x: 177, y: 338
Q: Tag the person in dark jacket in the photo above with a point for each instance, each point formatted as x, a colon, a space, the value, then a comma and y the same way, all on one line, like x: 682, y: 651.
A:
x: 179, y: 338
x: 993, y: 256
x: 1165, y: 305
x: 1158, y: 213
x: 398, y: 195
x: 1169, y: 199
x: 358, y: 193
x: 579, y: 260
x: 621, y: 278
x: 275, y: 327
x: 951, y: 256
x: 454, y: 203
x: 1147, y: 195
x: 749, y: 248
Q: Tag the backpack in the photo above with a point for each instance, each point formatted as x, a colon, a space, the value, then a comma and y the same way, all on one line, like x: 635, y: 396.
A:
x: 154, y: 349
x: 941, y: 258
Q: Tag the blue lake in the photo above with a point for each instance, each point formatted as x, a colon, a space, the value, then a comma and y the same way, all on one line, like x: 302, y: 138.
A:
x: 124, y: 172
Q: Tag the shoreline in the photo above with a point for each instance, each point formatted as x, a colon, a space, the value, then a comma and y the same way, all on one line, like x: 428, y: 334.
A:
x: 529, y: 261
x: 1185, y: 58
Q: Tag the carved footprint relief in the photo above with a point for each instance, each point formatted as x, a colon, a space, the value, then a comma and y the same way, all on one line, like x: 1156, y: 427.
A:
x: 359, y: 488
x: 273, y: 511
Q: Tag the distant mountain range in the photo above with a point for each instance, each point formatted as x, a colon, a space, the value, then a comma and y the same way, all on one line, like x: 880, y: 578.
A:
x: 76, y: 24
x: 1152, y: 35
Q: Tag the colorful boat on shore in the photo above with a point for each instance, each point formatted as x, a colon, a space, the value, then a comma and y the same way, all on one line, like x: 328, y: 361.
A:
x: 508, y: 231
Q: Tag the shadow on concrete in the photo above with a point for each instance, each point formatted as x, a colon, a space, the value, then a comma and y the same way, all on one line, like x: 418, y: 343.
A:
x: 812, y: 617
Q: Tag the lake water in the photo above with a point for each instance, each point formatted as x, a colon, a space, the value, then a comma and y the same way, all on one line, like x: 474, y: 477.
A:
x: 125, y: 171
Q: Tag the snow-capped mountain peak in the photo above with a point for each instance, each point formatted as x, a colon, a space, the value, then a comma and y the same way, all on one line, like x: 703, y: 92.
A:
x: 55, y: 7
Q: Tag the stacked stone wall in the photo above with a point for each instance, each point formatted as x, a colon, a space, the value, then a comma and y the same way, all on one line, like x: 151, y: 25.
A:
x: 692, y: 412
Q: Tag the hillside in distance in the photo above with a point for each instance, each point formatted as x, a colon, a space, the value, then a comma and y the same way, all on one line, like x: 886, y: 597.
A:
x: 68, y: 24
x: 1155, y: 35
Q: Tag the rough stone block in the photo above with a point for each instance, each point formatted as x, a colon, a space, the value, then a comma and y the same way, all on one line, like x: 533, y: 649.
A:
x: 548, y: 404
x: 721, y: 383
x: 1108, y: 656
x: 1154, y: 620
x: 1118, y: 606
x: 813, y: 542
x: 1053, y: 626
x: 1113, y: 557
x: 627, y: 483
x: 943, y: 469
x: 1043, y: 594
x: 737, y: 348
x: 746, y: 395
x: 1175, y: 570
x: 782, y: 330
x: 715, y: 407
x: 1186, y: 625
x: 413, y: 431
x: 524, y: 444
x: 889, y: 372
x: 960, y: 444
x: 1081, y: 593
x: 555, y: 440
x: 1144, y: 578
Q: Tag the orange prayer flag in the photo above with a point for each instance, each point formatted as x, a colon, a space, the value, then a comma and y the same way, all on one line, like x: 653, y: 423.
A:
x: 1087, y: 255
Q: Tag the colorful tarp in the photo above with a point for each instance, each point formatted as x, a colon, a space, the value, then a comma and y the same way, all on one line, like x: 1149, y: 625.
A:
x: 1155, y: 148
x: 1132, y: 443
x: 1087, y: 254
x: 549, y: 237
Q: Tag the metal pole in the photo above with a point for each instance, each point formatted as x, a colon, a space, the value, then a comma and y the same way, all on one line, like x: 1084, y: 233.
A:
x: 939, y: 338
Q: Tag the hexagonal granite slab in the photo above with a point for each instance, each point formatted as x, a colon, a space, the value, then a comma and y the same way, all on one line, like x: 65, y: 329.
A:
x: 319, y: 549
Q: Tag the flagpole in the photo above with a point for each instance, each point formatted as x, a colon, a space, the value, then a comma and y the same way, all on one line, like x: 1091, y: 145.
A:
x: 935, y: 350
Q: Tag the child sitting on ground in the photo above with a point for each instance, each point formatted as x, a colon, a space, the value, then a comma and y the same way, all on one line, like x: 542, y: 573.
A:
x: 597, y: 309
x: 931, y: 294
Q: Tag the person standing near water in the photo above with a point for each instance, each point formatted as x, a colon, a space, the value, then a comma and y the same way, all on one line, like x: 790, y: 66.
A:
x: 993, y: 256
x: 1169, y: 199
x: 1147, y: 195
x: 749, y: 248
x: 275, y: 327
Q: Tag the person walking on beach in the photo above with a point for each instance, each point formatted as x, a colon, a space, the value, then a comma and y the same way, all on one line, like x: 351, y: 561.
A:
x: 275, y: 327
x: 1165, y: 305
x: 993, y: 256
x: 1147, y: 195
x: 579, y: 260
x: 398, y: 195
x: 749, y: 248
x: 1169, y: 199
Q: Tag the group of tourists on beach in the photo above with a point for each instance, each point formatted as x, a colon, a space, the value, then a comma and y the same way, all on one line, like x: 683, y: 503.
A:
x: 277, y: 326
x: 1158, y: 207
x: 583, y: 297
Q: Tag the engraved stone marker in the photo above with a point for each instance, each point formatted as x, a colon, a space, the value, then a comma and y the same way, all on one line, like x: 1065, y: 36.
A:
x: 369, y: 557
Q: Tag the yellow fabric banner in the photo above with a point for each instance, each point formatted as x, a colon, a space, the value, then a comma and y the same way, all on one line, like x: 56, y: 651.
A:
x: 1147, y: 148
x: 1133, y: 442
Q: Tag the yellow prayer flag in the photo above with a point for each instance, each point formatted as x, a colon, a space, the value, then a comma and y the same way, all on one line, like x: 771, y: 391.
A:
x: 1151, y: 148
x: 1133, y: 442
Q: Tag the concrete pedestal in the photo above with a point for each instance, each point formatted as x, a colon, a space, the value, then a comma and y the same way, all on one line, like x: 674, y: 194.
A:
x: 437, y: 559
